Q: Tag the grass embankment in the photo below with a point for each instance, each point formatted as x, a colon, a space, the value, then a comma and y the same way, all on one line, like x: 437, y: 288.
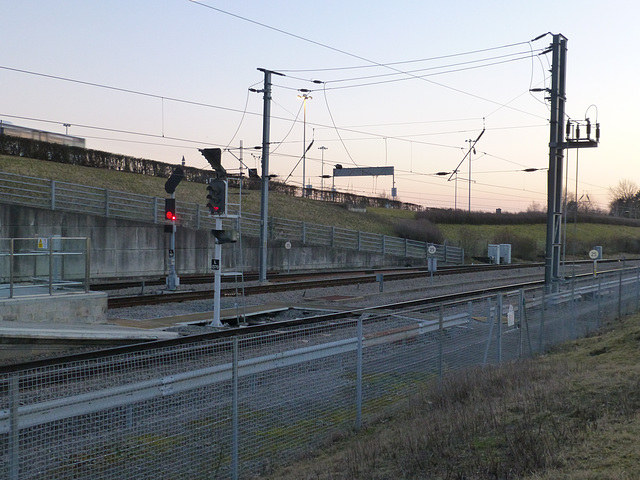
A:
x: 280, y: 205
x: 527, y: 240
x: 572, y: 414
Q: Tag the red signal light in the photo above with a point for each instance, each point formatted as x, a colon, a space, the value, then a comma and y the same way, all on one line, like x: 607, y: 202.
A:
x: 170, y: 209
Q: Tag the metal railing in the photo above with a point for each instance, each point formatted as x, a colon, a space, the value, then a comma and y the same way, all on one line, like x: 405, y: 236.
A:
x: 44, y: 266
x: 55, y: 195
x: 235, y: 404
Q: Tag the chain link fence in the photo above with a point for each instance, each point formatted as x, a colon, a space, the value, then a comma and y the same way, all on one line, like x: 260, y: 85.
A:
x: 236, y: 403
x: 55, y: 195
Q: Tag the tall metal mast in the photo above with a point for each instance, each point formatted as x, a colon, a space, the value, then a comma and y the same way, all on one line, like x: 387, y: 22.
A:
x: 556, y: 160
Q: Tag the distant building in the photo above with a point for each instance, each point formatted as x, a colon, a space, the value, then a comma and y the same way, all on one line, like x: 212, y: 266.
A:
x: 40, y: 135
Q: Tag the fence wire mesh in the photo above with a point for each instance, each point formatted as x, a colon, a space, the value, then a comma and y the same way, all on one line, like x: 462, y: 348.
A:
x: 234, y: 406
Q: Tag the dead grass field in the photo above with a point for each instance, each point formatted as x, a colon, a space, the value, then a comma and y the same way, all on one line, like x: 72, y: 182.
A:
x: 572, y: 414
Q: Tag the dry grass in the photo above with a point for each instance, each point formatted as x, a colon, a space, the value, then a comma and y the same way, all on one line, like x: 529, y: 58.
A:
x: 573, y: 414
x: 280, y: 205
x: 528, y: 240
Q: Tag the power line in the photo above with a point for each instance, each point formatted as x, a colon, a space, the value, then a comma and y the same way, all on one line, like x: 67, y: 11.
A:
x: 419, y: 77
x: 441, y: 57
x: 344, y: 52
x: 125, y: 90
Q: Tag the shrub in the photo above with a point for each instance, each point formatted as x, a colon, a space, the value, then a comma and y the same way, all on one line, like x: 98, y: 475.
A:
x: 422, y: 230
x: 522, y: 247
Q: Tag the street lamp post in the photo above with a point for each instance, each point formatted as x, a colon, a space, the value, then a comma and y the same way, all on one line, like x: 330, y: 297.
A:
x: 323, y: 148
x: 471, y: 149
x: 305, y: 96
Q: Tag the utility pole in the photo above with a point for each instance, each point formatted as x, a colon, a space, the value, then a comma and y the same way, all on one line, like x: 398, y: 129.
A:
x: 471, y: 149
x: 264, y: 198
x: 557, y: 96
x: 305, y: 96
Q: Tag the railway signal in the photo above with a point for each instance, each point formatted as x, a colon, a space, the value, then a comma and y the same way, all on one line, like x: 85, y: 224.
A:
x: 170, y: 215
x: 214, y: 157
x: 217, y: 197
x: 225, y: 236
x: 173, y: 181
x: 170, y: 209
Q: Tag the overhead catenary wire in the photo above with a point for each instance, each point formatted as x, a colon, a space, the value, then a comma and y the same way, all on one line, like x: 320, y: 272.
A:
x: 414, y: 74
x: 244, y: 113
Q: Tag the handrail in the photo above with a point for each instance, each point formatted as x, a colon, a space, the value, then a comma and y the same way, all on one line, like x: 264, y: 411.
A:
x: 45, y: 266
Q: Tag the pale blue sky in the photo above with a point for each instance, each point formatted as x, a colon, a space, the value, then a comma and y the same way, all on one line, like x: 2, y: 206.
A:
x: 173, y: 52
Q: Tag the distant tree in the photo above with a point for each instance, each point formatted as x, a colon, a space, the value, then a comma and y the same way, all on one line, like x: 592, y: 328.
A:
x: 536, y: 207
x: 625, y: 200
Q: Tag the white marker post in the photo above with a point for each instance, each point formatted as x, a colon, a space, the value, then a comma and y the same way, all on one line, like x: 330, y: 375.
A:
x: 432, y: 261
x: 593, y: 255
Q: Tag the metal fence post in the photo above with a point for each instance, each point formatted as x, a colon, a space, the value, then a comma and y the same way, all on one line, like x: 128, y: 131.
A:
x: 359, y: 240
x: 106, y: 203
x: 53, y: 194
x: 155, y: 209
x: 637, y: 287
x: 620, y: 296
x: 499, y: 320
x: 358, y: 424
x: 520, y: 322
x: 490, y: 322
x: 441, y: 345
x: 333, y: 237
x: 51, y: 266
x: 14, y: 435
x: 87, y: 265
x: 383, y: 244
x: 573, y: 320
x: 11, y: 247
x: 304, y: 233
x: 234, y: 412
x: 599, y: 300
x: 542, y: 306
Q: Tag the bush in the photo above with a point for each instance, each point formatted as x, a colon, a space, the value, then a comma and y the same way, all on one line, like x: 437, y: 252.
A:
x: 422, y: 230
x: 463, y: 217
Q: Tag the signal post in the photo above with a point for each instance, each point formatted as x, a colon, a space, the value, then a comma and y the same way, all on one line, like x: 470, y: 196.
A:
x: 217, y: 193
x: 170, y: 214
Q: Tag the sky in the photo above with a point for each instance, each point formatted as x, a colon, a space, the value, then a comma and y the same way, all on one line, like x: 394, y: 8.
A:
x: 408, y: 84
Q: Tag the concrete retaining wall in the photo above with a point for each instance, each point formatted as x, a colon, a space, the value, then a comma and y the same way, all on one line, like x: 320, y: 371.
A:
x: 76, y: 308
x: 127, y: 249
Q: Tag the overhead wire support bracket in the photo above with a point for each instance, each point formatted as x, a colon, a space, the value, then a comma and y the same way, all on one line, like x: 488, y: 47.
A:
x: 455, y: 171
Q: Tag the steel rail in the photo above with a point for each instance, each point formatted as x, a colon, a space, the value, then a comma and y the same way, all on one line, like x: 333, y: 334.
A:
x: 305, y: 282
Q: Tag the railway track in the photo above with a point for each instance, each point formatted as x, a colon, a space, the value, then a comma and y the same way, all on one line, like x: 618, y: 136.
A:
x: 338, y: 316
x: 279, y: 277
x: 121, y: 364
x: 298, y: 282
x: 294, y: 281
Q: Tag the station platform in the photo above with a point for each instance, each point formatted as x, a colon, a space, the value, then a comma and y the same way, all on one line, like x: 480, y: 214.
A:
x: 22, y: 341
x: 201, y: 318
